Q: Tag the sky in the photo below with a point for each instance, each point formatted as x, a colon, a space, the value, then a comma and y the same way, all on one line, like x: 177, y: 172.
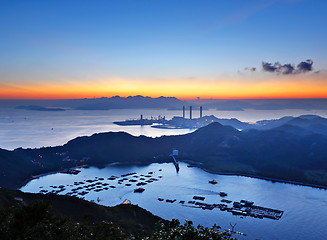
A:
x: 187, y: 49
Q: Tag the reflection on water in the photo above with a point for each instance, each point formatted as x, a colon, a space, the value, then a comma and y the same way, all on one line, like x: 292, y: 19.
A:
x: 305, y: 208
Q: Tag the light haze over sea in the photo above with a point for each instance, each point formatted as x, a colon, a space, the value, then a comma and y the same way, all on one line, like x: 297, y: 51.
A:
x: 34, y: 129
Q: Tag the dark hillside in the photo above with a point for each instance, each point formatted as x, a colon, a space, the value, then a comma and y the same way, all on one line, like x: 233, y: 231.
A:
x: 287, y: 152
x: 132, y: 218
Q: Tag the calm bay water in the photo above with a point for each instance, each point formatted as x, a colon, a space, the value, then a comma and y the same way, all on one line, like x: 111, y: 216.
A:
x: 305, y: 208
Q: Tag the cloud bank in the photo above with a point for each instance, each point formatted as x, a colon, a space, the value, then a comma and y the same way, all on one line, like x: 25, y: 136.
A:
x: 287, y: 68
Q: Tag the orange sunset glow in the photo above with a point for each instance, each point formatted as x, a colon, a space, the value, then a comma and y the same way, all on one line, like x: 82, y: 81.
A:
x: 184, y: 89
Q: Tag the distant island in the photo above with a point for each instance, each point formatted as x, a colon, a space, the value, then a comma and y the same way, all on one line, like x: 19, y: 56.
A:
x: 41, y: 108
x: 171, y: 103
x: 293, y: 151
x: 309, y: 123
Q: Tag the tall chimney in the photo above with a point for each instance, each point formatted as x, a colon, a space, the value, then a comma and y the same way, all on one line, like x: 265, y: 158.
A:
x: 190, y: 112
x: 201, y: 112
x: 183, y: 111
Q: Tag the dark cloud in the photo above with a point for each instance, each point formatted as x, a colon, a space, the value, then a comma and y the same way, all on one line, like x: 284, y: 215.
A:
x: 288, y: 68
x: 305, y: 66
x: 268, y: 67
x: 251, y: 69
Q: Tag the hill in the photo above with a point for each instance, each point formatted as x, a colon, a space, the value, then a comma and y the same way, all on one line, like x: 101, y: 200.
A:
x: 288, y: 152
x: 36, y: 216
x: 131, y: 218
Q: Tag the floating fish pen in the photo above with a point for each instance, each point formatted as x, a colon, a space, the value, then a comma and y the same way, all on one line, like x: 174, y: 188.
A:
x: 266, y: 212
x: 112, y: 178
x: 141, y: 184
x: 222, y: 194
x: 243, y: 208
x: 198, y: 198
x: 139, y: 190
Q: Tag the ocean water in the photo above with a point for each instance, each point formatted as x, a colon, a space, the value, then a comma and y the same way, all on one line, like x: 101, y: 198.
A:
x: 305, y: 208
x: 33, y: 129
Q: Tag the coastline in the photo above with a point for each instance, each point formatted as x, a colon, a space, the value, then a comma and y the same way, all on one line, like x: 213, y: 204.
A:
x: 193, y: 164
x: 82, y: 166
x: 42, y: 175
x: 270, y: 179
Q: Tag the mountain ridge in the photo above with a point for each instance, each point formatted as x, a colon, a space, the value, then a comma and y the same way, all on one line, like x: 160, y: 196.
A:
x: 287, y: 153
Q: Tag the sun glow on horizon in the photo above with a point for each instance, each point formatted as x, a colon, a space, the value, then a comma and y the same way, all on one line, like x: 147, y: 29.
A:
x: 183, y: 89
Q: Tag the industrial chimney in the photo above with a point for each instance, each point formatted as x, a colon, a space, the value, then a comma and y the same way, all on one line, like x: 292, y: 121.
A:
x: 183, y: 111
x: 201, y: 112
x: 190, y: 112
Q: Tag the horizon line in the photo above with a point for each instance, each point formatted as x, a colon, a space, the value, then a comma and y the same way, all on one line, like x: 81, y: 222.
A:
x: 184, y: 99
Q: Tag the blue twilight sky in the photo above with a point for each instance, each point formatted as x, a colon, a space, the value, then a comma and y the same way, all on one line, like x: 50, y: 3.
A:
x: 51, y: 41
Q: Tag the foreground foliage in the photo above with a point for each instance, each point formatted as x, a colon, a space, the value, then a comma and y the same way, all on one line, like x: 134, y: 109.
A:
x: 38, y: 221
x: 174, y: 230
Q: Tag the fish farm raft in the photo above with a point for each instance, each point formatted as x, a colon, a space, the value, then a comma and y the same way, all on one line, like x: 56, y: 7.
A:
x: 243, y: 208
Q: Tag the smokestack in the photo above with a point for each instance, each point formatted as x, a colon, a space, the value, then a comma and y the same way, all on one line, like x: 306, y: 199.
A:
x: 183, y: 111
x: 201, y: 112
x: 190, y: 112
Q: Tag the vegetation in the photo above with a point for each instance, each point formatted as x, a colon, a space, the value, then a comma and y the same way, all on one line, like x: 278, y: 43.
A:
x: 44, y: 217
x: 130, y: 217
x: 37, y: 221
x: 174, y: 230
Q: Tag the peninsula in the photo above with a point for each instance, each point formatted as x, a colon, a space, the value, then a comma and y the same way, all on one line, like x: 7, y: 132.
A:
x: 293, y: 151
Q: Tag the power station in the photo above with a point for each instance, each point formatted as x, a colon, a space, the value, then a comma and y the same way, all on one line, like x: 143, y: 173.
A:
x: 201, y: 111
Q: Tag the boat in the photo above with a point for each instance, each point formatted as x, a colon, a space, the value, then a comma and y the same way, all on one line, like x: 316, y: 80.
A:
x: 214, y: 181
x: 139, y: 190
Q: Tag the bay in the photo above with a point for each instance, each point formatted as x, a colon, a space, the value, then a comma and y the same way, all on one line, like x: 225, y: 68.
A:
x: 305, y: 208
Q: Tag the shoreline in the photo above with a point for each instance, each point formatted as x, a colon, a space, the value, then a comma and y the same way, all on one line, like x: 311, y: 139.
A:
x: 193, y: 164
x: 270, y: 179
x: 82, y: 166
x: 43, y: 175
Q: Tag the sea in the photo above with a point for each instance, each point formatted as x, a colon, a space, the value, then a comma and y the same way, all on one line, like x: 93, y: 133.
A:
x: 35, y: 129
x: 305, y: 208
